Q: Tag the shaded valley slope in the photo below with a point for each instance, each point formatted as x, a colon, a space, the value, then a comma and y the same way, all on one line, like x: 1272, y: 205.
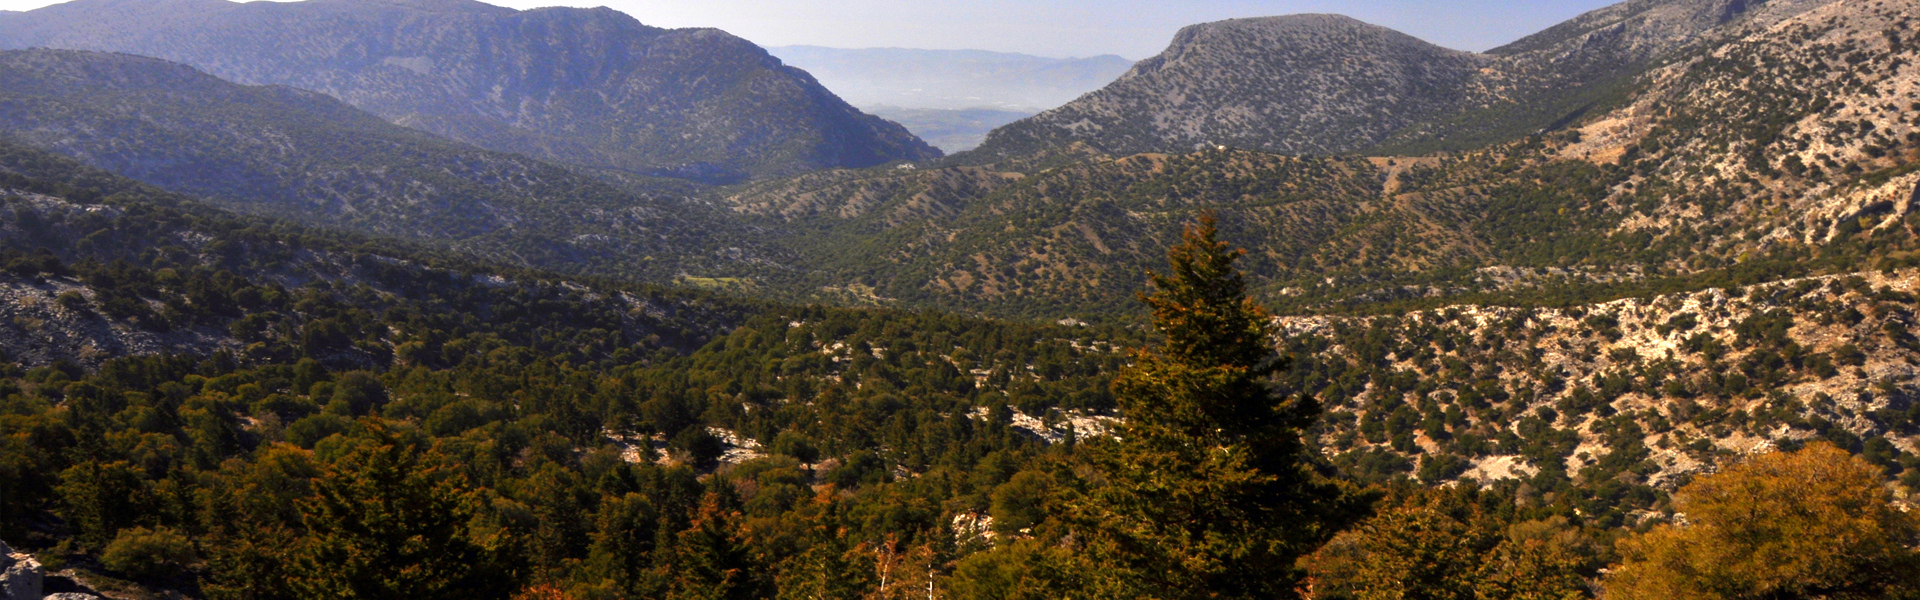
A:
x: 279, y: 151
x: 588, y: 87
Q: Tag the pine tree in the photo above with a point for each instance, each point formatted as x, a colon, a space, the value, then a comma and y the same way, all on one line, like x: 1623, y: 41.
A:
x: 1209, y: 491
x: 387, y: 523
x: 709, y: 562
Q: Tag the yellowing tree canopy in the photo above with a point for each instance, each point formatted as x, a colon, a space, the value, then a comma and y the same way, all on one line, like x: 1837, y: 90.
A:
x: 1816, y: 523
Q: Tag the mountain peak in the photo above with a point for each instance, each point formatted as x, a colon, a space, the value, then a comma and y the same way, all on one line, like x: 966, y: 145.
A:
x: 1317, y: 37
x: 1304, y: 84
x: 131, y: 8
x: 1300, y: 26
x: 1303, y: 21
x: 431, y: 6
x: 1331, y: 84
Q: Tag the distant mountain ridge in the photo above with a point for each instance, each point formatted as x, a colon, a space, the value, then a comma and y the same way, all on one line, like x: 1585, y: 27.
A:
x: 1325, y: 84
x: 953, y: 79
x: 951, y: 130
x: 591, y: 87
x: 306, y: 157
x: 952, y: 98
x: 1304, y: 84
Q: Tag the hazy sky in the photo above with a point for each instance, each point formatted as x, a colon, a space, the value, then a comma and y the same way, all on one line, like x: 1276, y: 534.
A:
x: 1131, y: 28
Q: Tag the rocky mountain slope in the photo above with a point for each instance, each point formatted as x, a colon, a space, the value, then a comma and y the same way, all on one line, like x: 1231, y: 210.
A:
x: 1074, y: 238
x: 1643, y: 391
x: 95, y: 267
x: 1788, y: 149
x: 1318, y: 84
x: 279, y: 151
x: 1586, y: 66
x: 588, y: 87
x: 1309, y: 84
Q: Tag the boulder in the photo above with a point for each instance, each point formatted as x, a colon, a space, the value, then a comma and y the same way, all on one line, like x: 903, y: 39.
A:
x: 22, y: 579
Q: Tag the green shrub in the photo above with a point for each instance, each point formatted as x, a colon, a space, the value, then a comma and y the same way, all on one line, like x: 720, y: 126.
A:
x: 72, y: 300
x: 158, y: 554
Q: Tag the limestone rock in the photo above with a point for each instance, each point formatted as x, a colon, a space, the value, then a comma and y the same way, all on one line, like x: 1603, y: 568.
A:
x: 22, y: 579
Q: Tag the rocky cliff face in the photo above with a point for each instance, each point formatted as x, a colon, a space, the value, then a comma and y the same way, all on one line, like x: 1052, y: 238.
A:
x: 1317, y: 84
x: 588, y: 87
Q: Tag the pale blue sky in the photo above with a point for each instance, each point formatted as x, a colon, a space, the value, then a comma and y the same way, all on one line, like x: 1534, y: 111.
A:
x: 1131, y: 28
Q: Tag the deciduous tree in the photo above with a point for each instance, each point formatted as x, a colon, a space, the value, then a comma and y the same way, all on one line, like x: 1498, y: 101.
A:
x: 1816, y: 523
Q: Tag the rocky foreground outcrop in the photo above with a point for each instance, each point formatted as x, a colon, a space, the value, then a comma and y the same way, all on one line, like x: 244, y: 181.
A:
x: 22, y: 578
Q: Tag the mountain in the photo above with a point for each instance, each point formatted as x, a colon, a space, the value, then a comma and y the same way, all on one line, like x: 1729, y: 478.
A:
x: 1308, y: 84
x: 163, y: 354
x: 593, y: 88
x: 1529, y: 359
x: 299, y: 155
x: 952, y: 79
x: 1745, y: 160
x: 1586, y: 65
x: 1320, y: 84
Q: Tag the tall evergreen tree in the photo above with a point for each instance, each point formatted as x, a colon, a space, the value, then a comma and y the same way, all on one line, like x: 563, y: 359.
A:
x: 1208, y: 492
x: 388, y: 522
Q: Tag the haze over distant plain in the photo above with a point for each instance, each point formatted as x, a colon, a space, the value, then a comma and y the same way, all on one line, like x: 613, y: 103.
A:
x: 1134, y: 29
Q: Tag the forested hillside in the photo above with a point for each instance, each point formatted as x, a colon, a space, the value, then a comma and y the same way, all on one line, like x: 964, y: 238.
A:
x: 1725, y: 161
x: 228, y: 407
x: 1657, y: 190
x: 302, y: 156
x: 168, y: 360
x: 594, y: 88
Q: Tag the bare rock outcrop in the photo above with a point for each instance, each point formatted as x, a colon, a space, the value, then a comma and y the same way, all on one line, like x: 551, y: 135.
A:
x: 21, y: 577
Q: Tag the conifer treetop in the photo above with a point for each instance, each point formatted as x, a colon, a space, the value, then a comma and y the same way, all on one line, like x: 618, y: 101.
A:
x: 1201, y: 303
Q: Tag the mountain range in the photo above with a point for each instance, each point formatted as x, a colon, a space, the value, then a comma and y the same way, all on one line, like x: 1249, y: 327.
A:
x: 593, y: 88
x: 1746, y: 151
x: 306, y: 157
x: 1327, y: 84
x: 1060, y: 226
x: 1533, y: 299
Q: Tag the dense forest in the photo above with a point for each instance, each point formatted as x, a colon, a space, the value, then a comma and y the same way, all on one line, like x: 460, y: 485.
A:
x: 330, y: 417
